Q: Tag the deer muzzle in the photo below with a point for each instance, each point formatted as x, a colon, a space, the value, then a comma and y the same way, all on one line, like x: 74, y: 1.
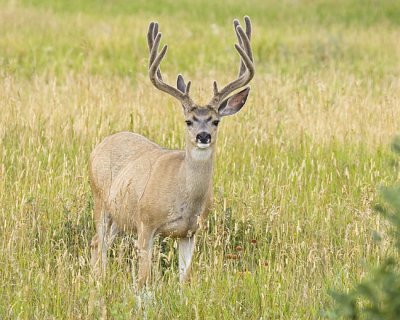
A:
x: 203, y: 140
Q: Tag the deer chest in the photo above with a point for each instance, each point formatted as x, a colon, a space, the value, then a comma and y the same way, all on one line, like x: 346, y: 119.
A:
x: 183, y: 219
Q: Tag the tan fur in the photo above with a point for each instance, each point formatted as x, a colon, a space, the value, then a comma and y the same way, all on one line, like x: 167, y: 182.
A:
x: 143, y: 188
x: 140, y: 187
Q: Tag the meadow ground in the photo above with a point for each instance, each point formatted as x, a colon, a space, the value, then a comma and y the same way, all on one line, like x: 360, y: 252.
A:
x: 296, y: 174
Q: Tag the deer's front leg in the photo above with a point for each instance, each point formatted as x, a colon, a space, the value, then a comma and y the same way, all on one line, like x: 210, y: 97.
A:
x: 186, y: 249
x: 145, y: 249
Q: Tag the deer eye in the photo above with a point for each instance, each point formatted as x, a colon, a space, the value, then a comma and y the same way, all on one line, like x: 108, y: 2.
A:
x: 215, y: 122
x: 189, y: 123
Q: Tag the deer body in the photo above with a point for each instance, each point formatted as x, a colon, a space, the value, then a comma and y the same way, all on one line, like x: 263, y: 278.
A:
x: 166, y: 190
x: 140, y: 187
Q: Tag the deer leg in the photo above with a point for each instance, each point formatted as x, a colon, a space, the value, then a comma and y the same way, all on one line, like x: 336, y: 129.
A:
x: 94, y: 245
x: 106, y: 233
x: 109, y: 233
x: 186, y: 249
x: 94, y: 250
x: 102, y: 231
x: 145, y: 246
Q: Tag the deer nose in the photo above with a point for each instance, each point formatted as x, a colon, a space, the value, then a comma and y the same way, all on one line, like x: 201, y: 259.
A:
x: 203, y: 137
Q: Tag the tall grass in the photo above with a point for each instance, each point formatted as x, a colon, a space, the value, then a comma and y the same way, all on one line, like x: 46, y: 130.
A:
x: 296, y: 170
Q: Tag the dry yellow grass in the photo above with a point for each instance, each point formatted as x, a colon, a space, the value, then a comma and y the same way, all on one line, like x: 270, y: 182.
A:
x: 296, y: 170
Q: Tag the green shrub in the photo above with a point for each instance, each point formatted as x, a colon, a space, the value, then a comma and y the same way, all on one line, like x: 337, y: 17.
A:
x: 378, y: 296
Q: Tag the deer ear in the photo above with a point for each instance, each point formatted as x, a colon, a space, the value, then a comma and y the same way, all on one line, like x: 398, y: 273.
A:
x: 180, y: 84
x: 234, y: 103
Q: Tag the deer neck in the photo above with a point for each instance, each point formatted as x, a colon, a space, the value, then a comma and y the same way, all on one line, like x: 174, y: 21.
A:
x: 198, y: 169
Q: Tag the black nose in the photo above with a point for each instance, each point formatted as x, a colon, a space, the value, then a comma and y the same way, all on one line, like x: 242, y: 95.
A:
x: 203, y: 137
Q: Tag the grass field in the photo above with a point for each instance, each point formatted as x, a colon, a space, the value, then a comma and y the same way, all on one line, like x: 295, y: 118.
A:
x: 296, y: 172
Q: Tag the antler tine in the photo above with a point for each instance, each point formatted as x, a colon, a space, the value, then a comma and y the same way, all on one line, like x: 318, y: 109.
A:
x: 246, y: 71
x: 245, y: 42
x: 215, y: 88
x: 151, y: 36
x: 155, y: 30
x: 154, y: 49
x: 248, y: 26
x: 155, y: 58
x: 242, y: 66
x: 240, y: 37
x: 236, y: 23
x: 188, y: 87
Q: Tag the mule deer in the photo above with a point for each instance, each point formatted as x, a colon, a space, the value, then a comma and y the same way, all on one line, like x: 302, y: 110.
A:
x: 140, y: 187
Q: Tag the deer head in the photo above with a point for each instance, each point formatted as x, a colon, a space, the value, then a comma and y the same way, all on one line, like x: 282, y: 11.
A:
x: 202, y: 121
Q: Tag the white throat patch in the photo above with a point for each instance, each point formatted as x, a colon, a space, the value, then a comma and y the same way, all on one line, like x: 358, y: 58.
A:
x: 201, y: 154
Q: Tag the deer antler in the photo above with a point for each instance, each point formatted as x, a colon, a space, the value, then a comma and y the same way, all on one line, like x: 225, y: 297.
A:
x: 153, y: 40
x: 246, y: 71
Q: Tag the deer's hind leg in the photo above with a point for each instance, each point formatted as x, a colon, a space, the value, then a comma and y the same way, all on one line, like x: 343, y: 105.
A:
x: 106, y: 230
